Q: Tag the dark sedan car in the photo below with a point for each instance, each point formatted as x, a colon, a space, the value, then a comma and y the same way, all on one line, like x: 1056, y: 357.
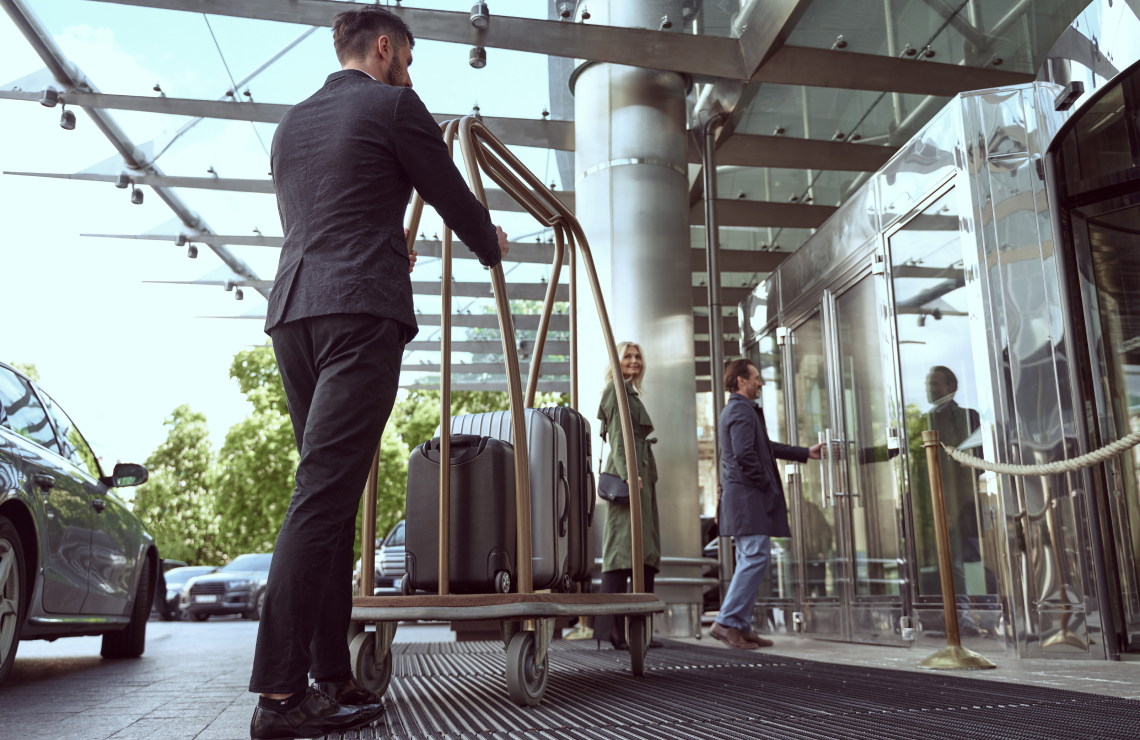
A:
x: 235, y: 588
x: 176, y: 578
x: 73, y: 559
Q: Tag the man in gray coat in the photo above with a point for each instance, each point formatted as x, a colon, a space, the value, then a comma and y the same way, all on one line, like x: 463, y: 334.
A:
x: 752, y: 506
x: 344, y: 164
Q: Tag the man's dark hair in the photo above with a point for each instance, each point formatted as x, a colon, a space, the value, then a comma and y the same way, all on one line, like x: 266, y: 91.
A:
x: 734, y: 371
x: 947, y: 375
x: 355, y: 31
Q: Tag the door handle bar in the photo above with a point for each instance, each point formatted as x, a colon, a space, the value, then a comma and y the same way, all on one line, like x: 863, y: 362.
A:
x: 824, y: 439
x: 44, y: 481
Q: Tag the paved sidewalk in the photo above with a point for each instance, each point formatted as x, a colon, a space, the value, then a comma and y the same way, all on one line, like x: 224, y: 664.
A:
x: 191, y: 684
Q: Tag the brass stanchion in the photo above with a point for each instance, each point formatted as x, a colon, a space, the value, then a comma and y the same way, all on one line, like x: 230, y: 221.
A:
x: 953, y: 656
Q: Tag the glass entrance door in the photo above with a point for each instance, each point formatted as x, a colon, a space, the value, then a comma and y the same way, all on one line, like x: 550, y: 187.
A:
x: 818, y: 523
x: 848, y: 508
x: 868, y: 496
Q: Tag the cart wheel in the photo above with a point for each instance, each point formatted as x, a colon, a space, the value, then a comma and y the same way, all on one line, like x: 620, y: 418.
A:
x: 362, y: 652
x: 526, y: 680
x: 638, y: 645
x: 508, y: 630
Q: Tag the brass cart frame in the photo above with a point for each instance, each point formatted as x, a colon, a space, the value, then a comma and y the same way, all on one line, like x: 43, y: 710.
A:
x: 526, y: 618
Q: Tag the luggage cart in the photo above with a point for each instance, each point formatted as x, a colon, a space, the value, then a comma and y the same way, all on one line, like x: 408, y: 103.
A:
x: 526, y: 619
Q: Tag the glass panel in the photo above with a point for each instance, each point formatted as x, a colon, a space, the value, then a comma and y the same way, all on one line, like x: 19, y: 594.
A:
x: 74, y: 446
x: 817, y: 521
x: 1114, y: 241
x: 939, y: 393
x: 870, y: 480
x: 1102, y: 136
x: 766, y: 355
x: 25, y: 415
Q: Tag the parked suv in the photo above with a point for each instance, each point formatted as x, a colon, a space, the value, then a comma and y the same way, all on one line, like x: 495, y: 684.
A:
x: 389, y: 563
x: 236, y: 588
x: 73, y: 559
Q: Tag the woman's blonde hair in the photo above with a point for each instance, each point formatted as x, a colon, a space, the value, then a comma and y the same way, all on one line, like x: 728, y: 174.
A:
x: 637, y: 379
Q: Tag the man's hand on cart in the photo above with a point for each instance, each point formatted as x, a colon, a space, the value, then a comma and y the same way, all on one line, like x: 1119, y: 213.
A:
x: 411, y: 257
x: 504, y: 246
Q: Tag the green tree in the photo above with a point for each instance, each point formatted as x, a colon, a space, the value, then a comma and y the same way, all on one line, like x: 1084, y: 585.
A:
x: 177, y: 503
x: 258, y: 461
x: 29, y: 369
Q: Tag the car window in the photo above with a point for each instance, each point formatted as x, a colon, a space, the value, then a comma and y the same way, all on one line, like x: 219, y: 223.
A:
x: 75, y: 448
x: 249, y: 562
x: 178, y: 576
x: 397, y: 536
x: 24, y: 413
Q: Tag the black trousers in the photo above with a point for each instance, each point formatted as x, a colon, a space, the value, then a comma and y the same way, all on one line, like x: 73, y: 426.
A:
x: 341, y: 373
x: 618, y: 582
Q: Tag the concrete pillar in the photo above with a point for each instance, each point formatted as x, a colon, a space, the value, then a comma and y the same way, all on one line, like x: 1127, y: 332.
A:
x: 632, y: 200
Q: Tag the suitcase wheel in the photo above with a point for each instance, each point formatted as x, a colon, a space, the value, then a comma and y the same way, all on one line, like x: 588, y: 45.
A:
x: 362, y: 653
x: 502, y: 582
x: 405, y: 585
x: 526, y: 678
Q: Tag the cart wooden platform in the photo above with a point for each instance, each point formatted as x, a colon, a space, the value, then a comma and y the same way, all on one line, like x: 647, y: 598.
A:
x: 526, y: 619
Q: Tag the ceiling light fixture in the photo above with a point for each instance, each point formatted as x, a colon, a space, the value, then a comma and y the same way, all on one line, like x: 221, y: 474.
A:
x: 480, y: 16
x: 478, y: 58
x: 67, y: 120
x: 137, y: 196
x: 192, y: 252
x: 49, y: 97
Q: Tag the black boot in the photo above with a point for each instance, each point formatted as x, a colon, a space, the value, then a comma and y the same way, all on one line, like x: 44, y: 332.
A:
x: 317, y: 715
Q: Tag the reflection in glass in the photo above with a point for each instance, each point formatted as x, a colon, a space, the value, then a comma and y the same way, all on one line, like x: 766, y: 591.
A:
x: 1114, y: 243
x: 817, y: 517
x: 939, y: 393
x: 871, y: 488
x: 24, y: 414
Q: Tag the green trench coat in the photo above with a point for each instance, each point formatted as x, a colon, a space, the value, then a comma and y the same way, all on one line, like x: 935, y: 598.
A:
x: 617, y: 546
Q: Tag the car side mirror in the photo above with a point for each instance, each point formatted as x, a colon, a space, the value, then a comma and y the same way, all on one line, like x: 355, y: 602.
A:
x: 129, y: 474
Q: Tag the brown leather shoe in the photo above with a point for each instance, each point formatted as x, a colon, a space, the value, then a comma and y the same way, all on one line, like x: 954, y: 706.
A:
x: 730, y: 636
x: 757, y: 640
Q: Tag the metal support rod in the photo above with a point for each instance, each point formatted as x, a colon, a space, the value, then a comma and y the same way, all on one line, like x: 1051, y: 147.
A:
x: 368, y: 531
x: 953, y: 655
x: 893, y: 52
x: 716, y: 325
x: 444, y: 552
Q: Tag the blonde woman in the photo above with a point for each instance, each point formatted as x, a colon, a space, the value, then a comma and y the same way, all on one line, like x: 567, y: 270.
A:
x: 617, y: 556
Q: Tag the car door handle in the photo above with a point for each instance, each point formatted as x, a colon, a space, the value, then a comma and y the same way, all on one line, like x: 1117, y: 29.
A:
x: 44, y: 481
x: 99, y: 504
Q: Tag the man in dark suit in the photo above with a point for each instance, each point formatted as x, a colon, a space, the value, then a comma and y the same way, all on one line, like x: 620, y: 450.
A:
x: 344, y: 164
x: 752, y: 506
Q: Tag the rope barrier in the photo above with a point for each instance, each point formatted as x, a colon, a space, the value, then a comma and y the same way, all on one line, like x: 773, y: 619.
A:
x: 1061, y: 466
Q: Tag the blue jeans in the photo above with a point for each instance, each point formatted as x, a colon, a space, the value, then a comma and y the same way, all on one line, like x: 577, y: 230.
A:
x: 752, y: 554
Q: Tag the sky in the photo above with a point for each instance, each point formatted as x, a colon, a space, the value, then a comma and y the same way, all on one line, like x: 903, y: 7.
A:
x: 118, y: 353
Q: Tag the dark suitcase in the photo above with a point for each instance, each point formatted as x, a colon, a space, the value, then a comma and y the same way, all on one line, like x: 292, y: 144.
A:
x: 483, y: 544
x: 549, y: 517
x: 580, y: 476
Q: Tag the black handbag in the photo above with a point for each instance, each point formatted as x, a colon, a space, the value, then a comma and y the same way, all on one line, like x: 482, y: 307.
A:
x: 613, y: 489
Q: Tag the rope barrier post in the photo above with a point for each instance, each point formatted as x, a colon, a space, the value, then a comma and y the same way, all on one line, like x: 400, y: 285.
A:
x: 953, y: 656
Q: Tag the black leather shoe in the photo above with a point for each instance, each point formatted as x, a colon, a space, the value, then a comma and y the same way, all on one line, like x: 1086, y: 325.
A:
x: 317, y: 715
x: 619, y: 643
x: 349, y: 693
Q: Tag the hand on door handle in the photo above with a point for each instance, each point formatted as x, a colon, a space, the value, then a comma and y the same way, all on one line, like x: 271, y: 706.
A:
x: 98, y: 504
x: 44, y: 481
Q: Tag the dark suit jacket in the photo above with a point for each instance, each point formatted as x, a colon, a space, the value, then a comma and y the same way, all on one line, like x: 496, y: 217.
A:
x: 752, y: 496
x: 344, y: 165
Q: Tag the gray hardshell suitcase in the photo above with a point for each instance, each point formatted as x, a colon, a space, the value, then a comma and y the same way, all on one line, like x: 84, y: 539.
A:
x: 549, y: 488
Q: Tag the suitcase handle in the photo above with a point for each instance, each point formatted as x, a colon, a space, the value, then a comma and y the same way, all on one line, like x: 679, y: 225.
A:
x: 593, y: 499
x: 460, y: 441
x: 565, y: 500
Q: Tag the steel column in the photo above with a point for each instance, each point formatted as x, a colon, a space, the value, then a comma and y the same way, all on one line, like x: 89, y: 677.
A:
x: 632, y: 198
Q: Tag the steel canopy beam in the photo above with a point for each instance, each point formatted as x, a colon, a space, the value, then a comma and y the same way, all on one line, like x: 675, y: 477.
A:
x: 764, y: 213
x: 537, y: 132
x: 496, y: 199
x: 731, y: 260
x: 679, y: 52
x: 798, y: 65
x: 784, y: 152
